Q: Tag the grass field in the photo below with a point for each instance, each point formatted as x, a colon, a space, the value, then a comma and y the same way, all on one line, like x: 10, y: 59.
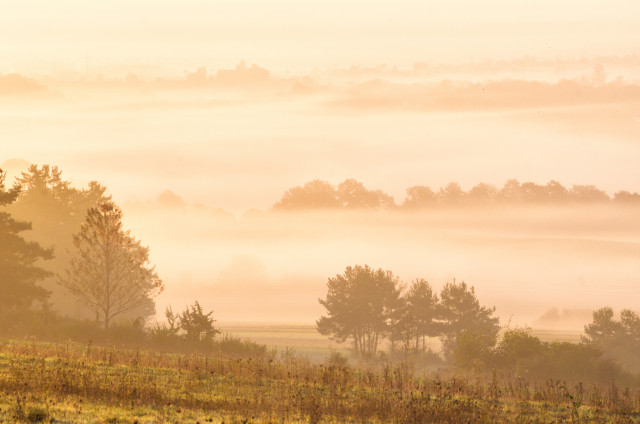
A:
x: 305, y: 339
x: 71, y: 383
x: 302, y: 339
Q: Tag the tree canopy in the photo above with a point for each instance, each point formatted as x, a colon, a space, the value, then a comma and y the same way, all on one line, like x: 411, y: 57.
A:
x: 360, y: 304
x: 618, y: 339
x: 56, y: 210
x: 349, y: 194
x: 353, y: 195
x: 465, y: 320
x: 110, y: 271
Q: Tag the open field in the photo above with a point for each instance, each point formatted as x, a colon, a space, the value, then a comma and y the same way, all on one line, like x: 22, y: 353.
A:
x: 306, y: 341
x: 303, y: 339
x: 74, y: 383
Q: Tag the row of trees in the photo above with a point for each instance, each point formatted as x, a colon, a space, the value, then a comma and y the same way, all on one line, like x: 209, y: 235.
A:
x: 352, y: 194
x: 366, y: 306
x: 105, y: 268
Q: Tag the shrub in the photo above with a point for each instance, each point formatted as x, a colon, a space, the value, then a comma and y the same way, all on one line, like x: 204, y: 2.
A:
x: 517, y: 349
x: 337, y: 359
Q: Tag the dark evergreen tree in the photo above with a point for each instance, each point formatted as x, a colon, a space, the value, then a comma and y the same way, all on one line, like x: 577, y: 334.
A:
x: 56, y: 210
x: 19, y: 268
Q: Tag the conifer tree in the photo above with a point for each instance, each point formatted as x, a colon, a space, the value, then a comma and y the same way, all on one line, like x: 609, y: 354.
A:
x: 19, y: 272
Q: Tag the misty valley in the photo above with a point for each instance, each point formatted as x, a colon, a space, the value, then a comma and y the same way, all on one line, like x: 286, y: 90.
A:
x: 83, y: 296
x: 406, y: 212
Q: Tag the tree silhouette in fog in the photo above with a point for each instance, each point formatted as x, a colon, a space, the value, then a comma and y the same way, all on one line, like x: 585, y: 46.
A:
x: 360, y: 305
x: 588, y: 193
x: 353, y: 195
x: 624, y: 196
x: 420, y: 316
x: 56, y: 210
x: 350, y: 194
x: 110, y: 271
x: 197, y: 325
x: 19, y: 270
x: 482, y: 194
x: 316, y: 194
x: 419, y: 197
x: 366, y: 306
x: 468, y: 327
x: 618, y: 339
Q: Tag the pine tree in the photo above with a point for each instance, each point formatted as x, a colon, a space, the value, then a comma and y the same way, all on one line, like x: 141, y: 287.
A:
x: 19, y: 272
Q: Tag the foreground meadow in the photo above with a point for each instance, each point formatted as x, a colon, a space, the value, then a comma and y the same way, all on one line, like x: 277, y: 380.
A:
x: 82, y: 383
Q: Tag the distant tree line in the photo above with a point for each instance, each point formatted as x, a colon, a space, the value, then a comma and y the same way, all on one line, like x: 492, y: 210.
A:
x: 352, y: 194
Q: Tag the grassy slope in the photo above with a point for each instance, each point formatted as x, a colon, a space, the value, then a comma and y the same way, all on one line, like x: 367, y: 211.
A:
x: 75, y: 383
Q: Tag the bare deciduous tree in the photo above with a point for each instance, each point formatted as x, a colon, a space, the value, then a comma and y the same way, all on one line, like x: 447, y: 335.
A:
x: 110, y: 271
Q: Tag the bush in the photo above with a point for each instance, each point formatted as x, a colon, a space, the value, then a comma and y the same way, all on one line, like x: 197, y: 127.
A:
x: 233, y: 346
x: 337, y: 359
x: 577, y: 362
x: 519, y: 352
x: 472, y: 349
x: 517, y: 349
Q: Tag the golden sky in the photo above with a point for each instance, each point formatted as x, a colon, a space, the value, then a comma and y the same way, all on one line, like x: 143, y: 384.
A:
x: 393, y: 94
x: 302, y: 35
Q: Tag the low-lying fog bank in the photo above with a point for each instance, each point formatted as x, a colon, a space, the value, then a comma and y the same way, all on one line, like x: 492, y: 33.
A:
x: 273, y: 267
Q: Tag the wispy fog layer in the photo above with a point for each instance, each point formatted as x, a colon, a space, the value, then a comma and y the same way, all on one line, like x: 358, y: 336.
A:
x: 197, y: 116
x: 274, y: 266
x: 289, y: 35
x: 238, y: 138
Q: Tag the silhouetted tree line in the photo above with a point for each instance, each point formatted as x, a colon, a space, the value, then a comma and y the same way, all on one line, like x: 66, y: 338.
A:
x: 369, y: 307
x: 352, y: 194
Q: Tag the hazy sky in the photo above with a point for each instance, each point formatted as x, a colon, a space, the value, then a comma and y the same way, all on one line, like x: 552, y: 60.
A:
x: 242, y: 145
x: 40, y: 36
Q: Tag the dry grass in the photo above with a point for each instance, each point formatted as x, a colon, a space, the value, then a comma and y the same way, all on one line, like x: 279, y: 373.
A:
x: 76, y: 383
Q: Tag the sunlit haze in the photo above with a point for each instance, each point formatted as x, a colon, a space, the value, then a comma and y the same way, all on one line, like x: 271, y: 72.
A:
x: 198, y: 116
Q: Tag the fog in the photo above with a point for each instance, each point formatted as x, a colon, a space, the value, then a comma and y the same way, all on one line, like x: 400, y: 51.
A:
x: 225, y: 151
x: 274, y: 266
x: 228, y: 105
x: 287, y: 35
x: 239, y: 148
